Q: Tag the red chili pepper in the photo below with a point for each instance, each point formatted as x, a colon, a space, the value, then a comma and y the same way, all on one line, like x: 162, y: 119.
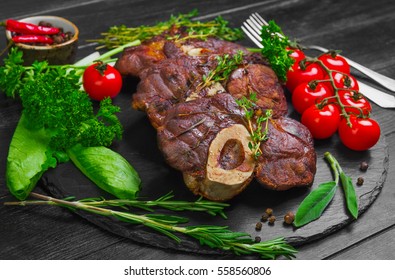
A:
x: 29, y: 28
x: 32, y: 39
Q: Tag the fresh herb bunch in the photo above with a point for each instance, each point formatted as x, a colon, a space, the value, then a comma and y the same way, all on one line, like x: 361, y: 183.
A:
x: 225, y: 65
x: 119, y: 35
x: 216, y: 237
x: 275, y: 45
x: 52, y: 99
x: 316, y: 202
x: 257, y: 122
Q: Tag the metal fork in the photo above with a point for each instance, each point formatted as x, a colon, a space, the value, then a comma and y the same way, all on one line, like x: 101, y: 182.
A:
x: 252, y: 28
x: 255, y: 23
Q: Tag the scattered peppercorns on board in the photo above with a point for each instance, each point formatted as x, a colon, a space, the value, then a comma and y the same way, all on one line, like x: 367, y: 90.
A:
x: 289, y: 218
x: 258, y: 226
x: 360, y: 181
x: 364, y: 166
x: 272, y: 219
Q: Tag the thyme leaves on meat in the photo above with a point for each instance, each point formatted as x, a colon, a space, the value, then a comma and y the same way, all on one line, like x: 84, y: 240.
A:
x: 119, y: 35
x: 258, y: 122
x: 216, y: 237
x: 225, y: 65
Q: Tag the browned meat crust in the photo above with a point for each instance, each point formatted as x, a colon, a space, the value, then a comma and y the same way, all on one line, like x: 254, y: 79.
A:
x: 288, y: 157
x: 189, y: 120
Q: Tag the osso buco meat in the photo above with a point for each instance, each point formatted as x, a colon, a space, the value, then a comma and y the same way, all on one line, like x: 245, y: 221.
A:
x: 202, y: 132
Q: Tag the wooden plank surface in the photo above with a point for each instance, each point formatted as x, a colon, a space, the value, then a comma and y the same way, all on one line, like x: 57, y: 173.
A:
x: 363, y: 30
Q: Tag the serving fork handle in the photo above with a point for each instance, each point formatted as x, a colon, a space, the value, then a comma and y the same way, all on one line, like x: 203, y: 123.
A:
x: 379, y: 78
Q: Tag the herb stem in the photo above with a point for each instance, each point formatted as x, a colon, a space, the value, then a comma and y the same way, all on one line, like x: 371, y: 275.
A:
x: 219, y: 237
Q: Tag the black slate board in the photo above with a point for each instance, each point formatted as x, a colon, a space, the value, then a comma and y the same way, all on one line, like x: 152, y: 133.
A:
x: 140, y: 149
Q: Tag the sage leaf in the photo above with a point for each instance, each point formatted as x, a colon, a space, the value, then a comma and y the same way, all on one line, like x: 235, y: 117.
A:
x: 29, y: 156
x: 349, y: 192
x: 107, y: 169
x: 315, y: 203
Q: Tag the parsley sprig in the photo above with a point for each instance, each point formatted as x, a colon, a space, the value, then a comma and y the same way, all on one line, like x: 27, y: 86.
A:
x: 52, y: 99
x: 257, y: 122
x: 274, y: 49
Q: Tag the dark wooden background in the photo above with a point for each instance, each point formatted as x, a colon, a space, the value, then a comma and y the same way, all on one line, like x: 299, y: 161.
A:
x: 363, y: 30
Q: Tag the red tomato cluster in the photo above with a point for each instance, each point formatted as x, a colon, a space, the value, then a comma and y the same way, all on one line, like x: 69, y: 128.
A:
x: 318, y: 88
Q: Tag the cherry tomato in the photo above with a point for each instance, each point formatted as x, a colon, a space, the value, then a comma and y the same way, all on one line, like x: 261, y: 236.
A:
x: 335, y: 62
x: 296, y: 75
x: 102, y: 80
x: 304, y: 95
x: 356, y: 100
x: 296, y: 54
x: 363, y: 134
x: 345, y: 81
x: 322, y: 123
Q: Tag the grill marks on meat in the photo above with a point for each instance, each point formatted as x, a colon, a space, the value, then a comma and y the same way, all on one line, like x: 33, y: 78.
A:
x: 191, y: 124
x: 190, y: 127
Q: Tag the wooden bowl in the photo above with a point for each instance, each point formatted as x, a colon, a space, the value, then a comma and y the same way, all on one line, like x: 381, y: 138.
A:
x: 56, y: 54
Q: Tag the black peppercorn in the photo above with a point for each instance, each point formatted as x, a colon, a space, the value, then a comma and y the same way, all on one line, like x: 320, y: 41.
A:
x: 264, y: 217
x: 289, y: 218
x: 258, y: 226
x: 269, y: 211
x: 360, y: 181
x: 363, y: 166
x: 257, y: 239
x: 272, y: 219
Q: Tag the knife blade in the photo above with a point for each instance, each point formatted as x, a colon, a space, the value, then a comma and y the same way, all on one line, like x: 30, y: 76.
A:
x: 379, y: 97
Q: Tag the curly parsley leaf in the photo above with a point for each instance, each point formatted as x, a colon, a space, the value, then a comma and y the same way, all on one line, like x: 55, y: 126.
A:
x: 52, y: 99
x: 274, y: 49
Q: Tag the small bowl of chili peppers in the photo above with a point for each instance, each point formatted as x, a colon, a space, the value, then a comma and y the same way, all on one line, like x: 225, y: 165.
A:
x: 49, y: 38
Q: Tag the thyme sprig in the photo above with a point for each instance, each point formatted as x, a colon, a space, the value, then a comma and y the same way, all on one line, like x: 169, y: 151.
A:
x: 119, y: 35
x: 216, y: 237
x: 225, y: 65
x: 257, y: 122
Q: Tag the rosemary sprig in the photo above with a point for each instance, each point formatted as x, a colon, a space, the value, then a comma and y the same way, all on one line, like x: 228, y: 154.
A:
x: 257, y: 122
x: 119, y: 35
x: 216, y: 237
x: 226, y: 64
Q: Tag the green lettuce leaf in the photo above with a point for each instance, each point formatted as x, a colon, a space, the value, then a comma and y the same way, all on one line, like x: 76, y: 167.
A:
x: 107, y: 169
x: 29, y: 156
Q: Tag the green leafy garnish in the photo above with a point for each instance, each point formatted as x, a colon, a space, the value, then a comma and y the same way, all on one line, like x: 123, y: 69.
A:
x: 58, y: 116
x: 216, y: 237
x: 225, y: 65
x: 274, y: 49
x: 257, y: 122
x: 316, y: 202
x: 119, y: 35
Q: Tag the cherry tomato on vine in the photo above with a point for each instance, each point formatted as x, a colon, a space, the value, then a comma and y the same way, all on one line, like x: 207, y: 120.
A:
x: 335, y: 61
x: 345, y: 81
x: 307, y: 94
x: 101, y: 81
x: 359, y: 104
x: 296, y: 75
x: 363, y: 134
x: 322, y: 123
x: 296, y: 54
